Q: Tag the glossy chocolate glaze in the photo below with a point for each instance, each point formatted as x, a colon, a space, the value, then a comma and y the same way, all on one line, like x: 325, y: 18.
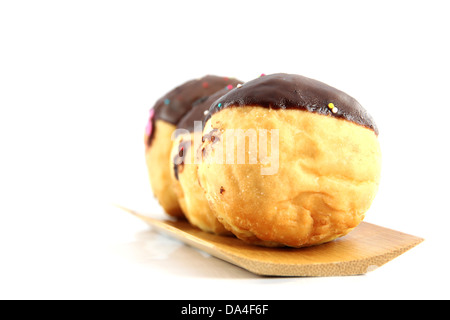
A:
x: 176, y: 103
x: 289, y: 91
x: 197, y: 113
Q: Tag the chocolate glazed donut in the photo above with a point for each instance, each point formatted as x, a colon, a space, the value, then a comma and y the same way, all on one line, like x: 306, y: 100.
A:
x: 164, y: 117
x: 327, y: 155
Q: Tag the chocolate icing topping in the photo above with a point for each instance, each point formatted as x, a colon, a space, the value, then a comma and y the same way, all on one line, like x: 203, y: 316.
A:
x: 176, y: 103
x: 289, y: 91
x: 197, y: 113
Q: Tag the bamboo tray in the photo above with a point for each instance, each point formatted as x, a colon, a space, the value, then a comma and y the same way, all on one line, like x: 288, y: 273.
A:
x: 364, y: 249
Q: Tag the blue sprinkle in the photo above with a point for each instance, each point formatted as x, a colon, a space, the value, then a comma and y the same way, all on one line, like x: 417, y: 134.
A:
x: 166, y: 101
x: 219, y: 105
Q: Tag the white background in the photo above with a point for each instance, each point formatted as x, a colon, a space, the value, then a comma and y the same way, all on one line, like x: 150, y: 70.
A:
x: 77, y: 79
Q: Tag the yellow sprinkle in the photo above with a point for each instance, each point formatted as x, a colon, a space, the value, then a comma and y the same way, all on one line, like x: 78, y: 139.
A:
x: 331, y: 106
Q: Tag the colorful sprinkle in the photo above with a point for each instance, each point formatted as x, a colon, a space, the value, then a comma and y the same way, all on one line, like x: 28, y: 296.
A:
x: 205, y: 85
x: 166, y: 101
x: 219, y: 105
x: 205, y: 112
x: 332, y: 108
x: 229, y: 87
x: 239, y: 85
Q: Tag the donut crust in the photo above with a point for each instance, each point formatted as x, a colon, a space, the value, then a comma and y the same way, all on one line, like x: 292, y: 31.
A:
x: 191, y: 196
x: 328, y: 175
x: 157, y: 157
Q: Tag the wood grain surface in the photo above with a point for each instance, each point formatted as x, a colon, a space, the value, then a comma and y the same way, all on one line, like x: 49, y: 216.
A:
x: 364, y: 249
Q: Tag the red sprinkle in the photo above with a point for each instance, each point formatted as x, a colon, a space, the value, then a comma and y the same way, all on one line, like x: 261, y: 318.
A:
x: 205, y: 85
x: 229, y: 87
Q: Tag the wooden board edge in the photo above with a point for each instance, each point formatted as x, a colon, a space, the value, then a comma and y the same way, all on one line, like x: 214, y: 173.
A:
x: 344, y: 268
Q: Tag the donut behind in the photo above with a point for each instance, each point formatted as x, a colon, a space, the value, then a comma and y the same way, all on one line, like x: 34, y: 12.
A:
x: 164, y: 117
x: 158, y: 166
x: 191, y: 196
x: 185, y: 158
